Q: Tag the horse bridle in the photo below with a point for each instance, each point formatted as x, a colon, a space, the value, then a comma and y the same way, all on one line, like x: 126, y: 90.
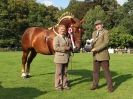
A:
x: 70, y: 32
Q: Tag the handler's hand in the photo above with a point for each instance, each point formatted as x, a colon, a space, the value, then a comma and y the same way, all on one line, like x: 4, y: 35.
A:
x: 93, y: 50
x: 67, y: 48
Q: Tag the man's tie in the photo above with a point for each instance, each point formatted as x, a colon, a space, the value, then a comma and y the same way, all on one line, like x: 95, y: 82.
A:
x: 65, y: 39
x: 97, y: 34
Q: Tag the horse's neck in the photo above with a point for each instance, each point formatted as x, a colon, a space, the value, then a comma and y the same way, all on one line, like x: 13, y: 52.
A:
x: 66, y: 22
x: 54, y: 29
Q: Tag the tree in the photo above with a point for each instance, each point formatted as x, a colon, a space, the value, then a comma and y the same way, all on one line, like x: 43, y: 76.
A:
x: 127, y: 21
x: 17, y: 15
x: 110, y: 7
x: 79, y: 8
x: 128, y: 6
x: 117, y: 16
x: 91, y: 16
x: 120, y: 38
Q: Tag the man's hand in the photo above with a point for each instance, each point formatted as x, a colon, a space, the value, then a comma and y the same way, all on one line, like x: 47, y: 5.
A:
x: 67, y: 48
x: 93, y: 50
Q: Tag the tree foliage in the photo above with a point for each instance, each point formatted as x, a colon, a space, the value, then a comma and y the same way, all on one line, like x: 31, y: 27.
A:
x: 91, y: 16
x: 17, y: 15
x: 127, y: 20
x: 119, y: 37
x: 79, y: 8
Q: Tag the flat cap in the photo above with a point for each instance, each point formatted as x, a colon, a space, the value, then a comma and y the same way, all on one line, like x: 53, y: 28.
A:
x: 98, y: 22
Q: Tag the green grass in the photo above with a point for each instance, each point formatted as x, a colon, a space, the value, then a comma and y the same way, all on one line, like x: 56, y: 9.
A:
x: 41, y: 84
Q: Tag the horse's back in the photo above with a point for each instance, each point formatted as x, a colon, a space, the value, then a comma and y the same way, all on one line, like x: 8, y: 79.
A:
x: 28, y: 37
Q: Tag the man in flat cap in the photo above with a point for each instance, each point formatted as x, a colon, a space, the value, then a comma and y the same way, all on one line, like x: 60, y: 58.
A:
x: 101, y: 55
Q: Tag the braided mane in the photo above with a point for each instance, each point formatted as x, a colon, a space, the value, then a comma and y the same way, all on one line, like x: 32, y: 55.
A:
x: 65, y: 15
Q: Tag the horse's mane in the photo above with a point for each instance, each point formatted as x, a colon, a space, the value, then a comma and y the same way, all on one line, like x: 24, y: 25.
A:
x: 63, y: 16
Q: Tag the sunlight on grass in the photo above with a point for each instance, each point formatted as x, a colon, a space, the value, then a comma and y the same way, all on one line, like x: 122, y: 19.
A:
x: 41, y: 84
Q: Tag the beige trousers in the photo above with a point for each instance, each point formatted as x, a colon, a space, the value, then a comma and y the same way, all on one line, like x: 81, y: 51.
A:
x: 61, y: 75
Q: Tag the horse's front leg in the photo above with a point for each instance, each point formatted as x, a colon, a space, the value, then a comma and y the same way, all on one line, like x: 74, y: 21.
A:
x: 24, y: 61
x: 32, y: 55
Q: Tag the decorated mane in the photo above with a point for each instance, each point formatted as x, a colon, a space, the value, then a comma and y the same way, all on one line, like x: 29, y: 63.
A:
x: 65, y: 15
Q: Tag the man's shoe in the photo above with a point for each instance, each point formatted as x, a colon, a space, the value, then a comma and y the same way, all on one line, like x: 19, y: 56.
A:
x: 58, y: 88
x: 110, y: 90
x: 94, y: 87
x: 66, y: 87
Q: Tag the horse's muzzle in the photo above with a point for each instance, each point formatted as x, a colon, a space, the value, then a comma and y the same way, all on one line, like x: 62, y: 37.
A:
x: 87, y: 47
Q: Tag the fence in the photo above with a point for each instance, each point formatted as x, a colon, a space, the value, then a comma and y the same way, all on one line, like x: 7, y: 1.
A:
x: 10, y: 49
x: 121, y: 51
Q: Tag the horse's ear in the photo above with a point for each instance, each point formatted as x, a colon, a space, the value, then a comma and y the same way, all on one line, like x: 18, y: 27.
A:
x: 73, y: 21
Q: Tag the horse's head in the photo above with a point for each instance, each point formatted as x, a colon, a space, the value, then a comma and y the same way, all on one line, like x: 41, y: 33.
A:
x: 75, y: 31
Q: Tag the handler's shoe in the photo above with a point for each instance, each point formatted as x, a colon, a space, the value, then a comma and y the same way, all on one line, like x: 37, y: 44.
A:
x: 66, y: 87
x: 58, y: 88
x: 94, y: 87
x: 110, y: 90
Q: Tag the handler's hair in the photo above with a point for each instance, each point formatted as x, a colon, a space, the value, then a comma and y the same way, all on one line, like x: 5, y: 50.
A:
x: 61, y: 25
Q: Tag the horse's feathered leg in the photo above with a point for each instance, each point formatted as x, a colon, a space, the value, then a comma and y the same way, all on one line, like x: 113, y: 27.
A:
x: 32, y: 55
x: 24, y: 60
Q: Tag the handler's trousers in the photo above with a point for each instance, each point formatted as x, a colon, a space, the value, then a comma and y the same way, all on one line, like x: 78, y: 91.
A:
x: 61, y: 75
x: 107, y: 73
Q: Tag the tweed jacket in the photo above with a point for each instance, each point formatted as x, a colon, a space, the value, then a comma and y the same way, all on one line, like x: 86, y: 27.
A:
x: 61, y: 55
x: 101, y: 45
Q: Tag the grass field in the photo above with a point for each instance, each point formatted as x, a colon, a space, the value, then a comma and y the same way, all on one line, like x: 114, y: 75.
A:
x: 41, y: 84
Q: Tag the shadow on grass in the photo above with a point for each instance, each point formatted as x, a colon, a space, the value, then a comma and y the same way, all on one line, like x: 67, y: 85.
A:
x: 43, y: 74
x: 120, y: 79
x: 117, y: 81
x: 19, y: 93
x: 85, y: 76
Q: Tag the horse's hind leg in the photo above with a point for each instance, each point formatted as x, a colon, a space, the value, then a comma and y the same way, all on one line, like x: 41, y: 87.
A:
x: 32, y: 55
x: 24, y: 60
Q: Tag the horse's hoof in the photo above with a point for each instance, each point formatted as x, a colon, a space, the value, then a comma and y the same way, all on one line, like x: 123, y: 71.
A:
x: 27, y: 76
x: 24, y: 77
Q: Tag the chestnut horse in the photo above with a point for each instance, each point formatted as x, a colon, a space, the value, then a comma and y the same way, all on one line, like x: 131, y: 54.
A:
x: 40, y: 40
